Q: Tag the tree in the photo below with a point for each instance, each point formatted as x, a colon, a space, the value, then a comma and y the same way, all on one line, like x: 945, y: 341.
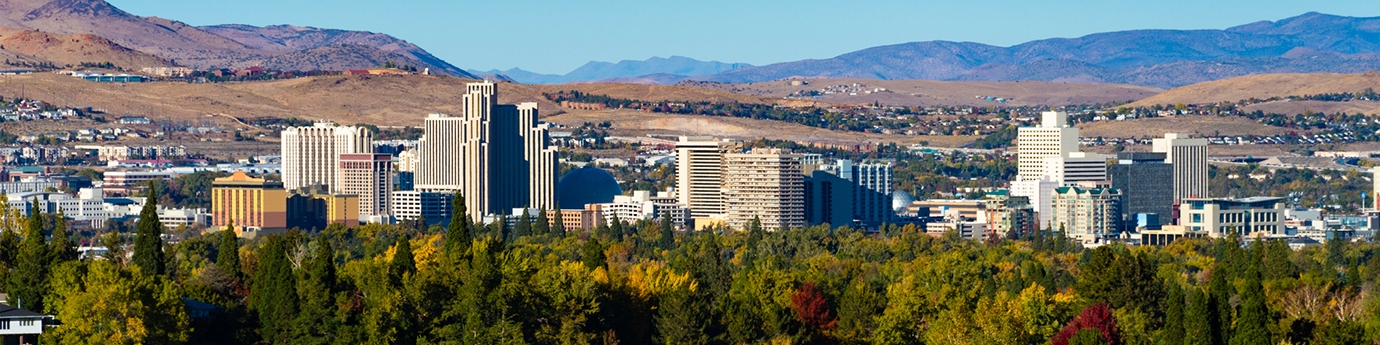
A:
x: 1097, y: 317
x: 668, y: 235
x: 1253, y: 321
x: 60, y: 246
x: 458, y: 234
x: 148, y: 240
x: 29, y: 281
x: 499, y: 228
x: 403, y: 262
x: 274, y: 293
x: 592, y: 253
x: 228, y: 256
x: 812, y: 310
x: 1219, y: 305
x: 1197, y: 322
x: 317, y: 322
x: 101, y: 303
x: 524, y: 226
x: 616, y: 230
x: 1173, y: 330
x: 543, y: 224
x: 1336, y: 249
x: 115, y: 248
x: 558, y: 225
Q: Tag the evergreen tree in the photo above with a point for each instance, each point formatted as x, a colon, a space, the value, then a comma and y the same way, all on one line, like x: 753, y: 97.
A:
x: 9, y: 248
x: 458, y: 234
x: 543, y: 224
x: 592, y: 253
x: 1197, y: 324
x: 1173, y: 330
x: 228, y: 257
x: 499, y: 228
x: 1277, y: 264
x: 600, y: 228
x: 524, y: 226
x: 317, y: 322
x: 1219, y: 305
x: 668, y: 235
x: 558, y: 224
x: 1252, y: 323
x: 28, y: 282
x: 60, y: 246
x: 1336, y: 249
x: 680, y: 318
x: 274, y: 294
x: 616, y: 230
x: 403, y: 262
x: 148, y: 240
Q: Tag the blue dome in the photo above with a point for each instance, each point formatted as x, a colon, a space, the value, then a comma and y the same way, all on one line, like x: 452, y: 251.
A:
x: 900, y: 200
x: 587, y: 185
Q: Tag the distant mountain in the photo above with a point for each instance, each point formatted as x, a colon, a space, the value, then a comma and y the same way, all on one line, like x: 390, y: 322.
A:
x: 73, y: 49
x: 241, y: 46
x: 1312, y: 42
x: 681, y: 66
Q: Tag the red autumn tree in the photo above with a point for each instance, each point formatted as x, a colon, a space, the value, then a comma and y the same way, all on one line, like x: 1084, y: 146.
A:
x: 812, y: 309
x: 1096, y: 317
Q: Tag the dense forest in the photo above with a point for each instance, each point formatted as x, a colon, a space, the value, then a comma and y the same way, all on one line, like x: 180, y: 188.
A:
x: 644, y: 283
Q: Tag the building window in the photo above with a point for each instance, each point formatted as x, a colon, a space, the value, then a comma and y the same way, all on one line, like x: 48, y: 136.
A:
x: 4, y: 324
x: 1197, y: 205
x: 1197, y: 218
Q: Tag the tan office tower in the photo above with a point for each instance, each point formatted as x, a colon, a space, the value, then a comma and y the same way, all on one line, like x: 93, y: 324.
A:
x: 312, y: 154
x: 699, y: 174
x: 369, y: 176
x: 485, y: 154
x: 767, y: 184
x: 1190, y: 160
x: 1053, y: 138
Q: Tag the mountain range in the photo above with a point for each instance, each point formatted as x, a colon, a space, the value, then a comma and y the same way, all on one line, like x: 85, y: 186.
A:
x: 281, y: 47
x: 656, y: 70
x: 1312, y: 42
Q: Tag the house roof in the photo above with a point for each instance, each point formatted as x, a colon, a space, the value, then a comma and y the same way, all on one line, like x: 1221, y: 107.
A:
x: 8, y: 312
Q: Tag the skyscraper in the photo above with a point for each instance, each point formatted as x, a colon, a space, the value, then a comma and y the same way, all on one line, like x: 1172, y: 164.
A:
x: 311, y: 155
x: 496, y: 155
x: 1053, y: 138
x: 766, y: 184
x: 369, y: 176
x: 699, y: 174
x: 869, y: 190
x: 1142, y: 177
x: 1190, y: 160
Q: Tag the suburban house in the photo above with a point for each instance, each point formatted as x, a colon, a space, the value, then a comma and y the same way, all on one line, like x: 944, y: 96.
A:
x: 19, y: 326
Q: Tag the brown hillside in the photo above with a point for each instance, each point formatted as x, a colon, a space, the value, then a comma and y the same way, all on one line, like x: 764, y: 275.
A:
x: 933, y: 92
x: 1264, y: 86
x: 74, y: 49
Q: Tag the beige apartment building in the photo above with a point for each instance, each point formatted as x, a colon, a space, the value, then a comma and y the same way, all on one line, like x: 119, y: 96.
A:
x: 764, y: 183
x: 699, y: 174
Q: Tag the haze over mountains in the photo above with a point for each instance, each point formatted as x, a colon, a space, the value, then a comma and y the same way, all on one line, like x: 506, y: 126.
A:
x: 225, y: 46
x: 654, y: 70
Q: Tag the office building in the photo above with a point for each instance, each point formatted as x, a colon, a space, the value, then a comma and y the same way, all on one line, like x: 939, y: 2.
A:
x: 1053, y: 138
x: 828, y: 199
x: 370, y: 177
x: 643, y: 205
x: 496, y: 155
x: 1220, y: 216
x: 434, y: 207
x: 1190, y: 160
x: 1142, y: 178
x: 1087, y: 214
x: 578, y: 219
x: 1040, y: 192
x: 255, y: 205
x: 766, y: 184
x: 699, y: 174
x: 408, y: 160
x: 311, y: 155
x: 1076, y: 167
x: 316, y: 208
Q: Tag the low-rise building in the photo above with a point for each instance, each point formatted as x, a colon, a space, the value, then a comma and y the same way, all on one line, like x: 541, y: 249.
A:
x: 255, y: 205
x: 1248, y: 217
x: 434, y: 207
x: 642, y: 205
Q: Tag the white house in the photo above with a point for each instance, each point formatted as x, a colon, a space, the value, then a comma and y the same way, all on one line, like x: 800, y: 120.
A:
x: 19, y: 323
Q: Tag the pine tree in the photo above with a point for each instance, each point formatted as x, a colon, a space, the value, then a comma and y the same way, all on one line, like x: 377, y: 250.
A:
x: 1173, y: 330
x: 9, y: 248
x: 458, y: 234
x: 60, y: 246
x: 499, y: 228
x: 558, y: 224
x: 668, y: 234
x: 1336, y: 250
x: 1197, y: 324
x: 1277, y: 264
x: 592, y: 253
x: 228, y: 258
x: 616, y: 230
x: 524, y: 226
x: 317, y: 322
x: 1219, y: 305
x: 28, y: 282
x: 274, y: 294
x: 148, y: 241
x: 403, y: 262
x: 1252, y: 323
x: 543, y: 224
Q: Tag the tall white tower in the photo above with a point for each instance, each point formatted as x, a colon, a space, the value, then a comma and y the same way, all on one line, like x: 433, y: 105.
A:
x: 1190, y: 160
x: 1054, y: 138
x: 699, y: 174
x: 311, y: 155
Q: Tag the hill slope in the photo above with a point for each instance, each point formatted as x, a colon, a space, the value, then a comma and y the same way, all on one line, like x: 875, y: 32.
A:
x: 1265, y: 86
x: 74, y: 49
x: 934, y: 92
x: 654, y: 70
x: 1312, y: 42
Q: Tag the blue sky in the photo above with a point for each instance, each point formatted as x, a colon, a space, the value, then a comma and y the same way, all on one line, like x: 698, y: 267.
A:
x: 551, y: 36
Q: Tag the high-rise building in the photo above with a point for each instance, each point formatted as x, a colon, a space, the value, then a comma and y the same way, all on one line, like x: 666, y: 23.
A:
x: 496, y: 155
x: 1041, y: 194
x: 766, y: 184
x: 1190, y: 160
x: 255, y: 205
x: 408, y: 160
x: 1087, y: 214
x: 1375, y: 188
x: 1142, y: 177
x: 1076, y: 167
x: 1052, y: 138
x: 828, y: 199
x: 699, y: 174
x: 311, y: 154
x: 370, y: 177
x: 1007, y: 213
x: 868, y: 193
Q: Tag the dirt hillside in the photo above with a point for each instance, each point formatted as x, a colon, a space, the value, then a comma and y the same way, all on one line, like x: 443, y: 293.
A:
x: 74, y: 49
x: 1265, y: 86
x: 933, y: 92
